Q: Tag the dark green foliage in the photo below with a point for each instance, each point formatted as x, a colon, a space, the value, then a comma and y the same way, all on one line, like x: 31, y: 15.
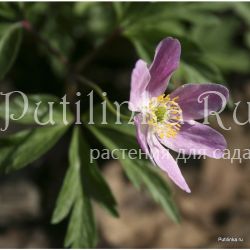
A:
x: 22, y: 148
x: 10, y: 39
x: 83, y: 182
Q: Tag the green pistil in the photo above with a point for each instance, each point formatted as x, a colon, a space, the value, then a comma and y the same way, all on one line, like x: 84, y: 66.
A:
x: 160, y: 113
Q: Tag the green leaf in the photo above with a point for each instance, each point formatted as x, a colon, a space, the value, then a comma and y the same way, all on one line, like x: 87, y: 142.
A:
x: 9, y: 46
x: 81, y: 231
x: 94, y: 183
x: 83, y: 181
x: 16, y: 108
x: 66, y: 196
x: 220, y: 47
x: 236, y: 60
x: 138, y: 171
x: 209, y: 6
x: 243, y: 10
x: 197, y: 73
x: 22, y: 148
x: 6, y: 11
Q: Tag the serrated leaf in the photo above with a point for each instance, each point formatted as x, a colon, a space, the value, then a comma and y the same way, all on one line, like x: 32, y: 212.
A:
x: 138, y: 174
x: 9, y: 45
x: 22, y: 148
x: 94, y: 184
x: 81, y: 231
x: 66, y: 196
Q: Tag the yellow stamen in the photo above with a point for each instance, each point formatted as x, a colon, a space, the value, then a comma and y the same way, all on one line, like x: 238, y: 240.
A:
x: 164, y: 115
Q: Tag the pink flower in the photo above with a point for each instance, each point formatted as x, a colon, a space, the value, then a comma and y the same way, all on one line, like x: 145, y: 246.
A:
x: 169, y: 121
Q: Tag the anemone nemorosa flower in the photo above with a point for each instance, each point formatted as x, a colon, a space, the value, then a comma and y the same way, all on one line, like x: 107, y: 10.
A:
x: 169, y: 120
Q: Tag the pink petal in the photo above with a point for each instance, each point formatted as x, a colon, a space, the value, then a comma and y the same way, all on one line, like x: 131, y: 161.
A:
x: 166, y: 61
x: 193, y: 107
x: 141, y: 133
x: 139, y: 81
x: 195, y: 138
x: 166, y: 162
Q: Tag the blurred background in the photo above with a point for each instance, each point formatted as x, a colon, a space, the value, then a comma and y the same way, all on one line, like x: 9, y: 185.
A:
x: 103, y: 41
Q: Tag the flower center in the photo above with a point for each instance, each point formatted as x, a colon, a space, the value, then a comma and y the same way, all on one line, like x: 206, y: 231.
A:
x: 160, y: 113
x: 164, y: 116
